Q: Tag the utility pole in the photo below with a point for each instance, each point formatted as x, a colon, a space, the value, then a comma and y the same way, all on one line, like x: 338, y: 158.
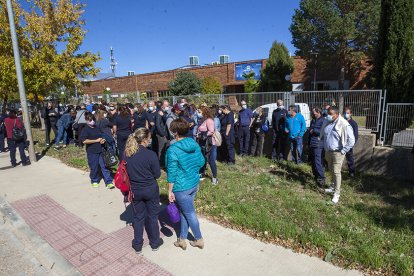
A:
x: 20, y: 81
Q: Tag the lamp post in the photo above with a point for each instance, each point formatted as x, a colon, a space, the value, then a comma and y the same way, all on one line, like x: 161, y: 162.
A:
x: 108, y: 97
x: 20, y: 81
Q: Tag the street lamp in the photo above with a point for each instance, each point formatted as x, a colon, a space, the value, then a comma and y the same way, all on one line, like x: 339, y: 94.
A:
x: 20, y: 81
x: 108, y: 98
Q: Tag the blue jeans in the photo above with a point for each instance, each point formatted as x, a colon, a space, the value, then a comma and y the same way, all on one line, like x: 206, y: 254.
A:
x: 13, y: 145
x: 185, y: 202
x: 211, y: 160
x: 62, y: 133
x: 95, y: 161
x: 296, y: 147
x: 317, y: 167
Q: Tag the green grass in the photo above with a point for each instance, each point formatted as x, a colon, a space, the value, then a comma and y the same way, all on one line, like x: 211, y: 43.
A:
x: 372, y: 228
x: 71, y: 155
x: 360, y: 120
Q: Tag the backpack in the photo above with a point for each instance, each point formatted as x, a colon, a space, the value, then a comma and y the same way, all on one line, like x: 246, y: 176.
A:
x: 265, y: 126
x: 17, y: 133
x: 109, y: 156
x: 217, y: 137
x: 121, y: 181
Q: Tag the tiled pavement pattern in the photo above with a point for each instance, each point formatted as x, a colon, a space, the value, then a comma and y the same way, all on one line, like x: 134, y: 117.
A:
x: 88, y: 249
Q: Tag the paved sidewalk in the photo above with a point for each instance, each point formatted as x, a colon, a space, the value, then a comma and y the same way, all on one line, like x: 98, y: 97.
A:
x: 59, y: 204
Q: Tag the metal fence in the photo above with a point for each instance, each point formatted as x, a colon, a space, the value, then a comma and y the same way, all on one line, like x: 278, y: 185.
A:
x: 366, y: 104
x: 398, y: 125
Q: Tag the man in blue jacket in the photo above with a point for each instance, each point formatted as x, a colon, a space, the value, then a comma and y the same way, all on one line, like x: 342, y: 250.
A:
x: 63, y: 125
x: 295, y: 127
x: 245, y: 120
x: 315, y: 147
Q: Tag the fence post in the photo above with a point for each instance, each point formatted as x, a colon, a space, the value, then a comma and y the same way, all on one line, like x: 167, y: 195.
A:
x: 341, y: 103
x: 384, y: 108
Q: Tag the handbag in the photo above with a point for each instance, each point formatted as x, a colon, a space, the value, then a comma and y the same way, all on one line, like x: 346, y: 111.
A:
x: 109, y: 156
x: 17, y: 133
x: 173, y: 212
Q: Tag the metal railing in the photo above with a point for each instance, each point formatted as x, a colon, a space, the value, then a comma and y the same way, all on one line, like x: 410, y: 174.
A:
x: 365, y: 104
x: 399, y: 125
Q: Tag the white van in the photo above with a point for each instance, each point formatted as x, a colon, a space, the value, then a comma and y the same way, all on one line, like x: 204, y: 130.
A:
x: 302, y: 108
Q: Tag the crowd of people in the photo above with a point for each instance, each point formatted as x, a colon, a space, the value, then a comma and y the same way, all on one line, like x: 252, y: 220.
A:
x: 182, y: 139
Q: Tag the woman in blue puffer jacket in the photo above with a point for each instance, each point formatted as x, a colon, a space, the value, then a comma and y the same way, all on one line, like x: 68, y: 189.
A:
x: 184, y: 160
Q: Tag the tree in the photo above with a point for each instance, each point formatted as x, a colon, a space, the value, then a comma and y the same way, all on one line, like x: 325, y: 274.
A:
x: 278, y: 66
x: 250, y: 85
x: 55, y: 32
x: 340, y: 31
x: 8, y: 79
x: 50, y: 34
x: 185, y: 83
x: 211, y: 85
x: 394, y: 63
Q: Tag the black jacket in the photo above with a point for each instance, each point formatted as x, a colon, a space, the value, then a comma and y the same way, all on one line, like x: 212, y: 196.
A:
x: 278, y: 119
x: 160, y: 125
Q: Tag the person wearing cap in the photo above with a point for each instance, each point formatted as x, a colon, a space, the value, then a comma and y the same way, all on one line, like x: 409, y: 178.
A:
x: 245, y: 121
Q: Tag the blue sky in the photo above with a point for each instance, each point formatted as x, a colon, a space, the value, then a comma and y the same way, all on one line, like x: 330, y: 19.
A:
x: 150, y: 36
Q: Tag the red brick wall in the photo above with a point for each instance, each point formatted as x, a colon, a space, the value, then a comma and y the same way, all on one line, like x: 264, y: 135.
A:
x: 225, y: 73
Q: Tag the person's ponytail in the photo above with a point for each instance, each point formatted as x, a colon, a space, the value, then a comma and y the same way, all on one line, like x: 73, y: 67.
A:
x: 134, y: 140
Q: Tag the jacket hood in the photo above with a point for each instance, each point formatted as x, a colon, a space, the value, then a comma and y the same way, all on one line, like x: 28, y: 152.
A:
x: 187, y: 145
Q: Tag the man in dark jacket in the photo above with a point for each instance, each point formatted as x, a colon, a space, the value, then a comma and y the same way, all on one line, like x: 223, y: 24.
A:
x: 316, y: 148
x: 350, y: 154
x: 280, y: 138
x: 51, y: 116
x: 161, y: 133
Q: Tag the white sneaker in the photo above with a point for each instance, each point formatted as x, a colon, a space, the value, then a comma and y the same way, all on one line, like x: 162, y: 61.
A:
x: 202, y: 177
x: 335, y: 198
x: 214, y: 181
x: 330, y: 190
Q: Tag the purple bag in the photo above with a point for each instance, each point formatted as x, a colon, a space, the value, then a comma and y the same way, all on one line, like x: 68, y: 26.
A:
x: 173, y: 212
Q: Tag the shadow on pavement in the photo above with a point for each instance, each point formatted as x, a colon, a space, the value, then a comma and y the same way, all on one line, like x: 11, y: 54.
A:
x: 167, y: 227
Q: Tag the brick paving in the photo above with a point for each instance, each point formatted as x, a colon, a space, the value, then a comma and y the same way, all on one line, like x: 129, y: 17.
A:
x: 87, y: 248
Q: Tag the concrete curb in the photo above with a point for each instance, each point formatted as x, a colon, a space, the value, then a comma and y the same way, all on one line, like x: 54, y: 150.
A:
x: 41, y: 254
